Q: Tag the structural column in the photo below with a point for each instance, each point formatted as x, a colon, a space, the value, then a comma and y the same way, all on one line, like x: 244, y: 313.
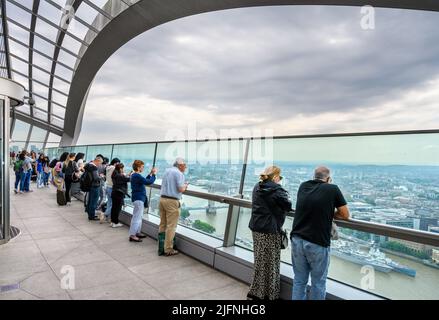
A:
x: 11, y: 95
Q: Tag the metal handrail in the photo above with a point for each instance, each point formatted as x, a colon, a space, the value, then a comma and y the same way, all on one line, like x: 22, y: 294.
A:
x: 423, y: 237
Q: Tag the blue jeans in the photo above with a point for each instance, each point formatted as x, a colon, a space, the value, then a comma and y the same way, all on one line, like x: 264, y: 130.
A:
x: 309, y: 259
x: 93, y: 197
x: 46, y: 178
x: 136, y: 220
x: 25, y: 180
x: 22, y: 180
x: 108, y: 191
x: 40, y: 179
x: 17, y: 179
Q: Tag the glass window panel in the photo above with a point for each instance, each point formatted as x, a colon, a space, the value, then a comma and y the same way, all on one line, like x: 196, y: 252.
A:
x: 59, y: 98
x: 67, y: 59
x: 57, y: 122
x: 201, y: 215
x: 71, y: 44
x: 86, y: 13
x: 63, y: 72
x: 78, y: 29
x: 360, y: 165
x: 53, y: 138
x: 78, y: 149
x: 127, y: 153
x: 57, y: 110
x: 41, y: 115
x: 213, y: 166
x: 93, y: 151
x: 44, y: 46
x: 35, y: 146
x: 18, y: 49
x: 20, y: 79
x: 20, y: 66
x: 38, y: 134
x: 18, y: 14
x: 40, y: 75
x: 100, y: 3
x: 40, y: 89
x: 27, y: 3
x: 386, y: 179
x: 21, y: 130
x: 18, y: 33
x: 401, y: 269
x: 17, y: 146
x: 62, y: 3
x: 52, y: 150
x: 41, y: 61
x: 61, y: 85
x: 46, y: 30
x: 49, y: 11
x: 40, y: 103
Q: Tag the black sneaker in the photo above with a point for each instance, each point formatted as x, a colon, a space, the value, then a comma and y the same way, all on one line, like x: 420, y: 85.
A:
x: 94, y: 219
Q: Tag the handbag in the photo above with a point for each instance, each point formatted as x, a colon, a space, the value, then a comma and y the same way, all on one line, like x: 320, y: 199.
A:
x: 284, y: 239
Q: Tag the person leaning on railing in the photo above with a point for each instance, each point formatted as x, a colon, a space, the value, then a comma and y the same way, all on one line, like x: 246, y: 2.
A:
x: 270, y: 203
x: 173, y: 185
x: 318, y: 202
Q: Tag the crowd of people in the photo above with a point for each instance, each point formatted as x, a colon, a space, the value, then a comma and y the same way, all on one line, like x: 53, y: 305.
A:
x: 105, y: 184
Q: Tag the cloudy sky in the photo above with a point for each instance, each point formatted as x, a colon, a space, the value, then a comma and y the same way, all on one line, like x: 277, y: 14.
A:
x: 289, y: 70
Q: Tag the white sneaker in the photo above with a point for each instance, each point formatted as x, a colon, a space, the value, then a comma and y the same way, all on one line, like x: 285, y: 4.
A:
x: 118, y: 225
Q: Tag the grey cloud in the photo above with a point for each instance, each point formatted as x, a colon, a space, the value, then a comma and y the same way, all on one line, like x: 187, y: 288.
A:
x: 277, y: 61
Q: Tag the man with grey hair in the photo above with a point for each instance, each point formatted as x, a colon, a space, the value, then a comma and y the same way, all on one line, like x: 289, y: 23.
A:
x: 318, y: 202
x: 173, y: 185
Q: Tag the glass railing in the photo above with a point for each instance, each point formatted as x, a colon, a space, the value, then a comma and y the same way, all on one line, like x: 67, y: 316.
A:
x: 390, y: 181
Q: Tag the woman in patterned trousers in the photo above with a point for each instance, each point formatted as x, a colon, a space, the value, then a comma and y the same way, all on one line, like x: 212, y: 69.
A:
x: 269, y: 207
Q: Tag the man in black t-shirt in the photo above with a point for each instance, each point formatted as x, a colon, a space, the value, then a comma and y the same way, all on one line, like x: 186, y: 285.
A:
x: 318, y: 202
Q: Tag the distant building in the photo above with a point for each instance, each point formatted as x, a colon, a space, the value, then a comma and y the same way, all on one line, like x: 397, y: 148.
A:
x: 419, y: 247
x: 425, y: 223
x: 404, y: 223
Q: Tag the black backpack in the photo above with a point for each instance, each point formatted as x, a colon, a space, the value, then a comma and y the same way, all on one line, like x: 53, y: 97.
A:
x: 85, y: 181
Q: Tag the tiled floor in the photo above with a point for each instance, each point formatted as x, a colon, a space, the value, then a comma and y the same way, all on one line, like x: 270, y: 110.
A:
x: 55, y: 241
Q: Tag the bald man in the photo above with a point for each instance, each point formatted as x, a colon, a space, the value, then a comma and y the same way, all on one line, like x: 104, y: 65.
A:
x: 318, y: 202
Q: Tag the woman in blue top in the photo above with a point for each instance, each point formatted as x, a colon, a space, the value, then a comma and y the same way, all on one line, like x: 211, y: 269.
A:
x: 40, y: 172
x: 138, y: 197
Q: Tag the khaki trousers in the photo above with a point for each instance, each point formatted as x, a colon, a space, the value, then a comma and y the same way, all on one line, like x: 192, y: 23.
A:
x: 169, y: 214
